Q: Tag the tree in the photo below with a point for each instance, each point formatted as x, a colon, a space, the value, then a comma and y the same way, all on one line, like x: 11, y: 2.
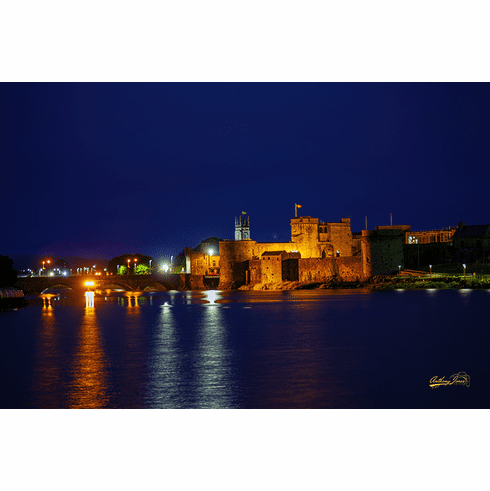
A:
x: 123, y: 270
x: 123, y: 261
x: 142, y: 269
x: 8, y: 275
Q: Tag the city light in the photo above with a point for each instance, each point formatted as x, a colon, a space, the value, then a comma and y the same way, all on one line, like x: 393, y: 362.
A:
x: 89, y: 283
x: 165, y: 267
x: 211, y: 252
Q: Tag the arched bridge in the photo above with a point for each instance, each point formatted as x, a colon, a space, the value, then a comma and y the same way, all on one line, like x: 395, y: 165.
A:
x: 36, y: 284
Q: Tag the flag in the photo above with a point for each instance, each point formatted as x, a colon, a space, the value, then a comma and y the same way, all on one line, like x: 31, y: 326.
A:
x: 244, y: 212
x: 299, y: 206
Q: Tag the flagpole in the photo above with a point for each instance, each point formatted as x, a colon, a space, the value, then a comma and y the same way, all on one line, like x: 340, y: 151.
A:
x: 295, y: 210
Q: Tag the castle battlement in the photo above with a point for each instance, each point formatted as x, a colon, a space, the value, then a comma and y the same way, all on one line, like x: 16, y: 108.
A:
x: 317, y: 251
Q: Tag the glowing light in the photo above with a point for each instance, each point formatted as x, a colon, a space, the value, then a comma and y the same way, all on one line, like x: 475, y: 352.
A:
x: 89, y: 283
x: 165, y: 267
x: 64, y: 273
x: 211, y: 252
x: 51, y: 274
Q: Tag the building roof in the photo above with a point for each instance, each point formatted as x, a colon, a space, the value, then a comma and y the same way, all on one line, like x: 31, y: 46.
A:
x: 273, y: 253
x: 472, y: 231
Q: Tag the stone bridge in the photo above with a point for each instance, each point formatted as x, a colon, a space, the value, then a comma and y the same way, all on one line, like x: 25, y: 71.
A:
x: 36, y: 284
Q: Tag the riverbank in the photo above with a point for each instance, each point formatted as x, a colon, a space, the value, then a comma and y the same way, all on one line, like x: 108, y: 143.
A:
x: 11, y: 298
x: 427, y: 282
x: 381, y: 283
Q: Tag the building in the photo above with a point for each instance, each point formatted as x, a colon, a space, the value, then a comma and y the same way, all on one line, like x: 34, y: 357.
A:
x: 242, y: 228
x: 200, y: 263
x: 318, y: 251
x: 422, y: 236
x: 471, y: 243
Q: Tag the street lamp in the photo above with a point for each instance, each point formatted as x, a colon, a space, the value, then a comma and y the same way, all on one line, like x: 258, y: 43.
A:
x: 165, y: 267
x: 128, y: 265
x: 399, y: 268
x: 464, y: 272
x: 135, y: 259
x: 150, y: 264
x: 430, y: 266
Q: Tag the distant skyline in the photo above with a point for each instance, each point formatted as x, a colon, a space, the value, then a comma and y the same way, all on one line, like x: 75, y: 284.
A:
x: 103, y: 169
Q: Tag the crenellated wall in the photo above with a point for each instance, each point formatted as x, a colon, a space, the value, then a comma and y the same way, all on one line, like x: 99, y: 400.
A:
x: 308, y: 258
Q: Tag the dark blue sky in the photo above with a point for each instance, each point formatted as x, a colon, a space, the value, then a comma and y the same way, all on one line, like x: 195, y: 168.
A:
x: 102, y: 169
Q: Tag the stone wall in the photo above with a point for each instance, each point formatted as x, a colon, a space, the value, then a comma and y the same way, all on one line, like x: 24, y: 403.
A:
x: 271, y: 268
x: 340, y: 237
x: 322, y: 270
x: 304, y: 235
x: 234, y: 257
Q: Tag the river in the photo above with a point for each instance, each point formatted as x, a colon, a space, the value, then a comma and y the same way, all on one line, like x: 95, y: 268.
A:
x: 213, y: 349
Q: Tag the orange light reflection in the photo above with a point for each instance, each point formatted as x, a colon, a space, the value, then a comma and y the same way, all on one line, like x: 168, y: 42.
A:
x: 89, y: 387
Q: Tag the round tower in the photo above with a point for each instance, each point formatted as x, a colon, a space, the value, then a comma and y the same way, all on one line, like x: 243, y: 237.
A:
x: 367, y: 253
x: 234, y: 257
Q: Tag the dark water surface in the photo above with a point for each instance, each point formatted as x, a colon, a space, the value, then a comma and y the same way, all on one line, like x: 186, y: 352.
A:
x: 297, y: 349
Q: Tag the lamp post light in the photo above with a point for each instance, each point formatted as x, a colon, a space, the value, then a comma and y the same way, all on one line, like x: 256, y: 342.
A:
x: 430, y: 266
x: 399, y: 269
x: 128, y: 265
x: 150, y: 264
x: 165, y: 267
x: 464, y: 270
x: 135, y: 259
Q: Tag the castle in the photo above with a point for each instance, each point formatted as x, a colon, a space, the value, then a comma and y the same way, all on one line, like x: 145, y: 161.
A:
x: 318, y: 252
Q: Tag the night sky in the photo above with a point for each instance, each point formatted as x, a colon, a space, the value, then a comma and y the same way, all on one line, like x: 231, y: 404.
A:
x: 103, y: 169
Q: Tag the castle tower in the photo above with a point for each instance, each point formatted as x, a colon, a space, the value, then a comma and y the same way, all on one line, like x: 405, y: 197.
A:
x: 242, y: 228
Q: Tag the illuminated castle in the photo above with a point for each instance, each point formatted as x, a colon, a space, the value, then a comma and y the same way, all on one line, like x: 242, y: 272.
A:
x: 318, y: 251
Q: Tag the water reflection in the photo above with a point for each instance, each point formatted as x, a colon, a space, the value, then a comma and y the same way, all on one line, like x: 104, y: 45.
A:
x: 166, y: 373
x: 214, y: 374
x: 47, y: 373
x: 89, y: 366
x: 187, y: 350
x: 190, y: 363
x: 89, y: 300
x: 47, y: 299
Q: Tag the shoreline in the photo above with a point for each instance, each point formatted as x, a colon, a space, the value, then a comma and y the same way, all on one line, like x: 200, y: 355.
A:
x: 387, y: 283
